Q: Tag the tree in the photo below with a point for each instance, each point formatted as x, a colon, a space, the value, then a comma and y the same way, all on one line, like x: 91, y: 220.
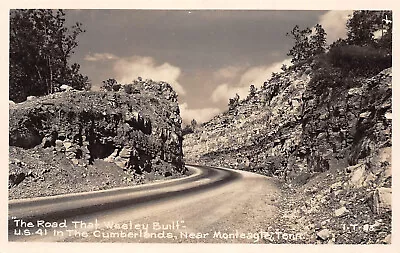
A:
x: 75, y: 79
x: 364, y: 26
x: 252, y: 91
x: 265, y: 85
x: 308, y: 43
x: 338, y: 43
x: 109, y: 84
x: 234, y: 102
x: 40, y: 47
x: 300, y: 50
x: 193, y: 123
x: 318, y: 40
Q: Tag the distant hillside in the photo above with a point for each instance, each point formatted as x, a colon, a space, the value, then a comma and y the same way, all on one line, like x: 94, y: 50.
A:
x: 78, y: 141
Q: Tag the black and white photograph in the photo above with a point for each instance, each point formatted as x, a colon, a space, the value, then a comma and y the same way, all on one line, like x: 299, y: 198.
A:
x: 199, y: 126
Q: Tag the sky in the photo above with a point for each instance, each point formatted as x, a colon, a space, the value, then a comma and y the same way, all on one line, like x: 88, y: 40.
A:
x: 206, y: 55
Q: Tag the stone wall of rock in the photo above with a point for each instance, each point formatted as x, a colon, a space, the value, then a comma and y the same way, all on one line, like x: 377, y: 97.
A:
x: 292, y: 129
x: 139, y: 132
x: 329, y: 143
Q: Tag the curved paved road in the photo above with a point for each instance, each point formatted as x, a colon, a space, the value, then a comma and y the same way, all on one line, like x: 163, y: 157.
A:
x: 215, y: 205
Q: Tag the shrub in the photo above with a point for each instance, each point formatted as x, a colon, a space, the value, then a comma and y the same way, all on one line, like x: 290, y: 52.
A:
x: 252, y: 91
x: 324, y: 78
x: 363, y: 61
x: 187, y: 130
x: 128, y: 88
x: 108, y: 84
x: 343, y: 65
x: 116, y: 87
x: 234, y: 102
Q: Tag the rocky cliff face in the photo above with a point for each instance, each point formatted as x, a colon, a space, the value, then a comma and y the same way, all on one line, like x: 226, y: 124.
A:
x: 291, y: 128
x: 138, y: 135
x: 330, y: 144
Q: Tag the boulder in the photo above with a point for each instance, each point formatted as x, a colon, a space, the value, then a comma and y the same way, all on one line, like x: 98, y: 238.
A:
x: 382, y: 200
x: 341, y: 211
x: 324, y: 234
x: 65, y: 87
x: 123, y: 158
x: 125, y: 152
x: 59, y: 146
x: 111, y: 157
x: 47, y: 141
x: 67, y: 145
x: 336, y: 186
x: 358, y: 175
x: 75, y: 161
x: 365, y: 114
x: 355, y: 91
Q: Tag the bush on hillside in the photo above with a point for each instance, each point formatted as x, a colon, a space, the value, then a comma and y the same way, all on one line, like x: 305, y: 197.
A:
x: 108, y: 84
x: 365, y: 61
x: 128, y: 88
x: 116, y: 87
x: 187, y: 129
x: 234, y: 102
x: 343, y: 65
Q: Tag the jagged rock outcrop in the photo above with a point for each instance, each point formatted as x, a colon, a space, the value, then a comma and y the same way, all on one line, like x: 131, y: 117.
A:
x: 330, y: 143
x: 292, y: 128
x: 139, y: 132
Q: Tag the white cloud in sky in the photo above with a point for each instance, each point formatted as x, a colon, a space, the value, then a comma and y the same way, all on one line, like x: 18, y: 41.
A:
x: 128, y: 69
x: 334, y: 23
x: 225, y: 91
x: 227, y: 72
x: 100, y: 57
x: 259, y: 74
x: 255, y: 75
x: 201, y: 115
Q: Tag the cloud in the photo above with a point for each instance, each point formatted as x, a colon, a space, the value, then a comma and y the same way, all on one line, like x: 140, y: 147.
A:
x: 227, y: 72
x: 128, y: 69
x: 100, y: 57
x: 259, y: 74
x: 225, y: 91
x: 200, y: 115
x: 334, y: 23
x: 256, y: 75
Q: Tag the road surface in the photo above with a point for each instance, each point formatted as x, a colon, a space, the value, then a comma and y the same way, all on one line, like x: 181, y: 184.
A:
x: 213, y: 205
